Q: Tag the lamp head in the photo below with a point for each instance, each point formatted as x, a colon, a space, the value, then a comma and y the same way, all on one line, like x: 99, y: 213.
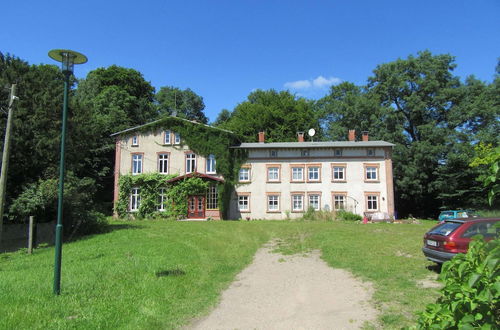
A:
x: 68, y: 59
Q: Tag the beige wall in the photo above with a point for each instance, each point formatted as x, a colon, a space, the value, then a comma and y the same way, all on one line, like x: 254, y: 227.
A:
x: 355, y: 186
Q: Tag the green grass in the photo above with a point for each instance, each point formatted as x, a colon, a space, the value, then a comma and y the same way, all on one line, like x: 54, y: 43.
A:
x: 152, y: 274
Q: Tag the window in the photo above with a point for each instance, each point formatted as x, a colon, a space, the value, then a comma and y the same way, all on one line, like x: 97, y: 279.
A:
x: 273, y: 173
x: 372, y: 202
x: 136, y: 163
x: 135, y: 141
x: 212, y: 197
x: 304, y: 153
x: 190, y: 163
x: 244, y: 175
x: 177, y: 138
x: 273, y: 153
x: 339, y: 201
x: 370, y: 152
x: 297, y: 202
x: 273, y: 203
x: 135, y: 199
x: 337, y: 152
x: 338, y: 172
x: 313, y: 173
x: 210, y: 164
x: 314, y: 201
x: 163, y: 163
x: 371, y: 172
x: 244, y: 203
x: 297, y: 174
x: 162, y: 199
x: 166, y: 137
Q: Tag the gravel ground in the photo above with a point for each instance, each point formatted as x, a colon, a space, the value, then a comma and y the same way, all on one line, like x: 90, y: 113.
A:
x: 291, y: 292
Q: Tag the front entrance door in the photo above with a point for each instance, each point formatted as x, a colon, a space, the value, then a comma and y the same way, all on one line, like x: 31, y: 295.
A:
x: 196, y: 207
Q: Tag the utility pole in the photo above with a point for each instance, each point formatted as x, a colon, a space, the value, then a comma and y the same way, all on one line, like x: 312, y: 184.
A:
x: 5, y: 156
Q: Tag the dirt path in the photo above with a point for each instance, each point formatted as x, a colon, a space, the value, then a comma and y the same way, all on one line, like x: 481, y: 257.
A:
x: 291, y: 292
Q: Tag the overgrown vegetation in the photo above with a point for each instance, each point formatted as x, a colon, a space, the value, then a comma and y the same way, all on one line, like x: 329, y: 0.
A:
x: 470, y: 298
x: 322, y: 215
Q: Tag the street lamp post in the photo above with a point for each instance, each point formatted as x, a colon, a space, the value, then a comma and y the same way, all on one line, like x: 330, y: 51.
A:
x: 68, y: 59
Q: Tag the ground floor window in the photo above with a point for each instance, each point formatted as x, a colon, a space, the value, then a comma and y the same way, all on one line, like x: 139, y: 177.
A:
x: 314, y: 202
x: 212, y: 197
x: 162, y: 199
x: 297, y: 203
x: 244, y: 203
x: 372, y: 202
x: 135, y: 199
x: 273, y: 203
x: 339, y: 202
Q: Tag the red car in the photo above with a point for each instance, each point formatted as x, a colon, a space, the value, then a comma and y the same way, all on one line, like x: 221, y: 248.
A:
x: 450, y: 237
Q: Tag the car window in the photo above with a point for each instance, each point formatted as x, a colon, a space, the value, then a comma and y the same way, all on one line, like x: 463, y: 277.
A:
x: 446, y: 215
x: 445, y: 228
x: 487, y: 229
x: 462, y: 214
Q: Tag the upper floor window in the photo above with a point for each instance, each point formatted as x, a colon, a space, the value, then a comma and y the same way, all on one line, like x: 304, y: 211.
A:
x: 338, y: 172
x: 163, y: 163
x: 244, y: 175
x: 304, y: 153
x: 177, y: 138
x: 273, y: 173
x: 370, y: 152
x: 190, y: 163
x: 211, y: 164
x: 371, y: 172
x: 313, y: 173
x: 273, y: 153
x: 135, y: 141
x: 297, y: 173
x: 167, y: 137
x: 137, y: 163
x: 135, y: 199
x: 337, y: 152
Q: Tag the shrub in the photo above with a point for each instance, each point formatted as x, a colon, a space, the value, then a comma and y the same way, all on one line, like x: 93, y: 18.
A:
x: 471, y: 295
x: 348, y: 216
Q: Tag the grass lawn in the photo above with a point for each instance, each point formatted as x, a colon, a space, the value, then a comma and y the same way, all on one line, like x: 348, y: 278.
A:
x: 154, y: 274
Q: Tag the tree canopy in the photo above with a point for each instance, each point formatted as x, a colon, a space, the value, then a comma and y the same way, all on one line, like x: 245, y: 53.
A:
x: 183, y: 103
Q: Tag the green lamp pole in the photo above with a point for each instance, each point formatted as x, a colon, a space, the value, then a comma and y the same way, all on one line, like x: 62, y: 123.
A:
x: 68, y: 59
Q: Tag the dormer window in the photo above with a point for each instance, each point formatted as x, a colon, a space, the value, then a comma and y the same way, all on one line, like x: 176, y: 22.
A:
x: 177, y: 138
x: 370, y: 152
x: 273, y: 153
x: 304, y: 153
x: 337, y: 152
x: 166, y: 139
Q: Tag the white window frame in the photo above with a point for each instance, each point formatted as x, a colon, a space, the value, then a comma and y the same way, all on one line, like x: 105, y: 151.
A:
x: 310, y: 204
x: 371, y: 173
x: 212, y: 197
x: 273, y: 203
x: 273, y: 174
x: 135, y: 199
x: 167, y: 139
x: 241, y: 174
x: 372, y: 199
x: 211, y: 164
x: 163, y: 163
x: 310, y: 170
x: 297, y: 170
x: 339, y: 199
x: 297, y: 202
x: 244, y: 203
x: 177, y: 138
x: 162, y: 199
x: 337, y: 169
x: 135, y: 141
x: 190, y: 163
x: 137, y: 163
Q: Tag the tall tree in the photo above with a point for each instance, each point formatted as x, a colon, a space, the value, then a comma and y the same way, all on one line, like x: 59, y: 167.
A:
x: 183, y: 103
x: 280, y: 114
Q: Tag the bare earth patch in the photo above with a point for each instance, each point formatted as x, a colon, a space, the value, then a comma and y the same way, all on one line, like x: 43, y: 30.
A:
x: 291, y: 292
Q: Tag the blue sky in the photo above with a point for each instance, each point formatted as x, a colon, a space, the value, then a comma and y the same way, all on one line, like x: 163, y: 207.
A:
x: 225, y: 49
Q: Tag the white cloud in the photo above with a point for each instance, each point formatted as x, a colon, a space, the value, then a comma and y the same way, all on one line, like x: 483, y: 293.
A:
x: 318, y: 83
x: 299, y: 84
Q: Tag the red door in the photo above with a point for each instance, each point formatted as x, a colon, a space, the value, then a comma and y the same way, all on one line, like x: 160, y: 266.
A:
x: 196, y: 207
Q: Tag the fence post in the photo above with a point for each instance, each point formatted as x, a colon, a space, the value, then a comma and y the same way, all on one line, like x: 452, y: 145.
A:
x: 30, y: 235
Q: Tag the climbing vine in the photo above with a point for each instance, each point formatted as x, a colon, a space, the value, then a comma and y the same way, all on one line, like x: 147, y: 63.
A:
x: 203, y: 140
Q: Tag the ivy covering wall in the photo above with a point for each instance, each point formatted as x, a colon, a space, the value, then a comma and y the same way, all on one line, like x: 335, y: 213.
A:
x: 203, y: 140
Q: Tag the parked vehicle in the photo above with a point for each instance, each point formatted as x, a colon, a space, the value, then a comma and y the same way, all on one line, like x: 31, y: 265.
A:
x: 454, y: 214
x: 451, y: 237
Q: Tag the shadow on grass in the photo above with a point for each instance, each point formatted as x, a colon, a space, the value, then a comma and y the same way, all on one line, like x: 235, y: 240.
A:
x: 170, y: 272
x: 436, y: 268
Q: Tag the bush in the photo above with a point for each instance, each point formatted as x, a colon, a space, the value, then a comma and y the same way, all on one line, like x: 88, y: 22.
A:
x: 471, y: 295
x: 348, y: 216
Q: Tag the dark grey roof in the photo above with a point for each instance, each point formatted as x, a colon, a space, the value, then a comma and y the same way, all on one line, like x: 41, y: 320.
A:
x: 301, y: 145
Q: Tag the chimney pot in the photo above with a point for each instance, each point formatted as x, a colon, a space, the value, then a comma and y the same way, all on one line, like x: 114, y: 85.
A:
x: 365, y: 135
x: 300, y: 136
x: 262, y: 138
x: 352, y: 135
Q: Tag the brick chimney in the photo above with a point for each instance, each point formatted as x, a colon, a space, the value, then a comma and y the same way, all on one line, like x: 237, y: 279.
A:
x: 300, y: 136
x: 365, y: 135
x: 352, y: 135
x: 262, y: 138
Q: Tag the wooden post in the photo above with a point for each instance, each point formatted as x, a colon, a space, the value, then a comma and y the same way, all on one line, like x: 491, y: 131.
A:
x: 30, y: 235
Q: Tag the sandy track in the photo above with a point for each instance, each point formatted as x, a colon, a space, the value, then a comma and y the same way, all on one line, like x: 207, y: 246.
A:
x: 291, y: 292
